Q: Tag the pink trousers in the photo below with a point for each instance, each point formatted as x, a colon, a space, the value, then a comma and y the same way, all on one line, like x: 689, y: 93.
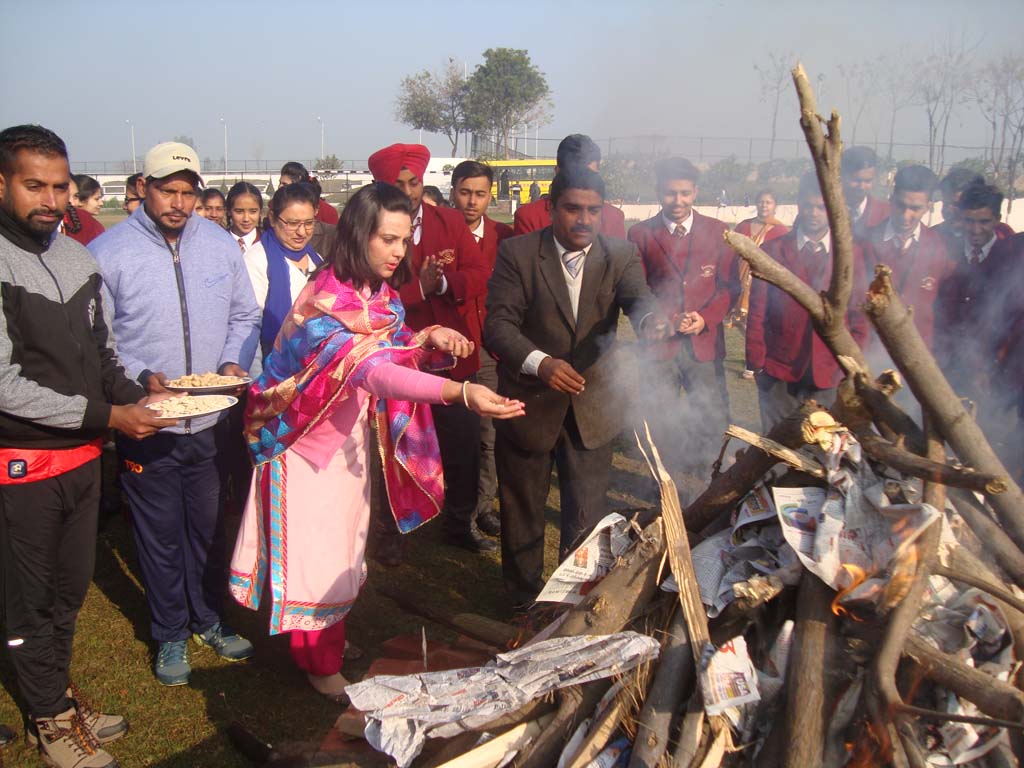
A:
x: 319, y: 652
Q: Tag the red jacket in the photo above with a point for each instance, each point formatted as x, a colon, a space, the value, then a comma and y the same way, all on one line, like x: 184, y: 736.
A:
x: 875, y: 212
x: 90, y: 227
x: 444, y: 229
x: 696, y: 273
x: 780, y: 337
x: 537, y: 215
x: 917, y: 275
x: 474, y: 310
x: 326, y: 212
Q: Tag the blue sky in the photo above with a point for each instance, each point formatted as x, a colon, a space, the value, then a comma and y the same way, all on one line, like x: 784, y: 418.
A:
x: 270, y: 68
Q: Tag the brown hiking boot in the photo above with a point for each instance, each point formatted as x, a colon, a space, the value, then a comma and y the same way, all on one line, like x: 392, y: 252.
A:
x: 64, y: 742
x: 104, y: 728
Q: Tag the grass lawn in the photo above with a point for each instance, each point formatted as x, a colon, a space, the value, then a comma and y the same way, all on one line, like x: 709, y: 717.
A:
x: 184, y: 727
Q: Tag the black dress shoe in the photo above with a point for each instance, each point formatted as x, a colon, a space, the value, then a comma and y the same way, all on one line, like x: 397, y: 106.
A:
x: 471, y: 540
x: 6, y: 736
x: 489, y: 523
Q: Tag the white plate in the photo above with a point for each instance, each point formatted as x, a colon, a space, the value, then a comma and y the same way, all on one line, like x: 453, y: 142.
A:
x: 202, y: 405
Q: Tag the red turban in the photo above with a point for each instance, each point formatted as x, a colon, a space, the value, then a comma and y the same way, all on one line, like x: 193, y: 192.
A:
x: 385, y: 164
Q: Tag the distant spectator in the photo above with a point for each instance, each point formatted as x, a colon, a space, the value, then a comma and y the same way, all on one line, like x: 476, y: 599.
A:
x: 245, y: 207
x: 762, y: 228
x: 951, y: 188
x: 132, y: 197
x: 432, y: 196
x: 534, y: 192
x: 293, y: 172
x: 79, y: 224
x: 858, y: 168
x: 213, y: 204
x: 89, y: 195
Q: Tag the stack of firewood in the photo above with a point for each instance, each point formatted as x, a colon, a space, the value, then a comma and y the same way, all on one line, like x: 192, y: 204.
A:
x: 859, y: 689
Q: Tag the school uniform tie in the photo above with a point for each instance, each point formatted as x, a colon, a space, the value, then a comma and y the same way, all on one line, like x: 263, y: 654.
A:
x: 417, y: 230
x: 573, y: 261
x: 241, y: 245
x: 679, y: 232
x: 975, y: 257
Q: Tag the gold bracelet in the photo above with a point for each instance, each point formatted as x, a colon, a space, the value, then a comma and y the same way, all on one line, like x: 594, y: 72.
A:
x: 465, y: 400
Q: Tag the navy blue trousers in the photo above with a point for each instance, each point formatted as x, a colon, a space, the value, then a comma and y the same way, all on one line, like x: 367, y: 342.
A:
x: 173, y: 485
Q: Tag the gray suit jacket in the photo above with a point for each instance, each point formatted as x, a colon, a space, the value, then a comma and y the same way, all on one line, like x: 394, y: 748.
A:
x: 528, y: 308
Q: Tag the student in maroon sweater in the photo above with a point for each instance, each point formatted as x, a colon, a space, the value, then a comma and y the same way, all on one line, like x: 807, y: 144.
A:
x: 951, y: 188
x: 448, y: 273
x: 858, y: 168
x: 916, y: 255
x: 693, y: 274
x: 471, y: 195
x: 791, y: 361
x: 575, y: 149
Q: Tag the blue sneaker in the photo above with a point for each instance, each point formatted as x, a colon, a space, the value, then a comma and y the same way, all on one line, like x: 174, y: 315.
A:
x: 225, y: 642
x: 172, y: 667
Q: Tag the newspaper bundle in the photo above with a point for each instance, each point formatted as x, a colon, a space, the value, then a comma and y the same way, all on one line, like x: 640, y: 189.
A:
x: 589, y: 562
x: 402, y: 711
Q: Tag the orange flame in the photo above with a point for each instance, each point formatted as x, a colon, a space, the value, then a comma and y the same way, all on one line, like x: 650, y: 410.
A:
x: 857, y: 576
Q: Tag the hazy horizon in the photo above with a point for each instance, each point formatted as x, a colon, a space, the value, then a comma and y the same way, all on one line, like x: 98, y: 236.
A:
x: 614, y: 69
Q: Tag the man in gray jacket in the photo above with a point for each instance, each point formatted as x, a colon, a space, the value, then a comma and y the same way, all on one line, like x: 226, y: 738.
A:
x: 61, y: 389
x: 181, y: 303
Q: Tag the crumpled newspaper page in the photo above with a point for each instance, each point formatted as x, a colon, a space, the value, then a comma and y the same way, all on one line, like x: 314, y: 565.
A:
x: 403, y: 711
x: 589, y: 562
x: 849, y: 531
x: 729, y: 680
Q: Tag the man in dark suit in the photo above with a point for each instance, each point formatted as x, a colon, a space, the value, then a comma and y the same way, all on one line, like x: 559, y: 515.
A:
x: 693, y: 273
x: 574, y: 149
x: 791, y: 361
x: 471, y: 195
x: 857, y: 169
x: 449, y: 273
x: 553, y: 306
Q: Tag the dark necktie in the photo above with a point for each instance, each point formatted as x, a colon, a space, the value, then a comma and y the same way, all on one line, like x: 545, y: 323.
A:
x: 679, y: 232
x: 975, y: 257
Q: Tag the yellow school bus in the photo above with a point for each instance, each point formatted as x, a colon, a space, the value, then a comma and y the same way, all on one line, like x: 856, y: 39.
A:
x: 509, y: 174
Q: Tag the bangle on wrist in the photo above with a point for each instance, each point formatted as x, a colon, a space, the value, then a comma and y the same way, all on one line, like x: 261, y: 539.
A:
x: 465, y: 399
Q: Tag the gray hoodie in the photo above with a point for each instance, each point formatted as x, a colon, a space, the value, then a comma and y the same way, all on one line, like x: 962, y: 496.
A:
x: 190, y: 314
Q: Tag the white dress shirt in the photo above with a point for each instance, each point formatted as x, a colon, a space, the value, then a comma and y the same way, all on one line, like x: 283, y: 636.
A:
x: 533, y: 360
x: 802, y: 240
x: 247, y: 240
x: 890, y: 233
x: 969, y: 250
x: 686, y: 223
x: 478, y: 233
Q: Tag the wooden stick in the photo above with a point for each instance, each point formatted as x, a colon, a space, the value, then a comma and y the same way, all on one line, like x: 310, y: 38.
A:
x: 805, y: 673
x: 599, y: 734
x: 800, y: 460
x: 902, y: 340
x: 672, y: 681
x: 990, y: 534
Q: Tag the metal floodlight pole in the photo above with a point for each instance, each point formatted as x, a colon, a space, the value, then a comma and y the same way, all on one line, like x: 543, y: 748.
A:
x: 225, y: 124
x: 131, y: 129
x: 322, y: 155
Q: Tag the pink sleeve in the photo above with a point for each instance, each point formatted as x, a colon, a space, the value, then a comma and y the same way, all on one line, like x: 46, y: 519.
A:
x: 396, y: 382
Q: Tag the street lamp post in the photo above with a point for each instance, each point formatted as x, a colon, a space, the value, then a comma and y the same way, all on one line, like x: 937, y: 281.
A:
x: 224, y: 123
x: 321, y: 137
x: 131, y: 128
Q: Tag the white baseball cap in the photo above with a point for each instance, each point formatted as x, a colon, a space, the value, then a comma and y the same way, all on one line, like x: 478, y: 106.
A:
x: 169, y: 158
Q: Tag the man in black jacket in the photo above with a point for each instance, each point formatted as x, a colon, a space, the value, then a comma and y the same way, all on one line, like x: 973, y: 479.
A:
x: 61, y: 389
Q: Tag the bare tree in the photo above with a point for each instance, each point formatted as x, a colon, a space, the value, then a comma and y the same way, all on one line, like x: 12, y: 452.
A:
x: 775, y: 78
x: 898, y: 88
x: 997, y: 89
x: 941, y: 78
x: 860, y: 80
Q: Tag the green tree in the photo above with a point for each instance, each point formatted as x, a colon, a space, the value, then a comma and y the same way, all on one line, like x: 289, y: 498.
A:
x: 506, y: 91
x: 434, y: 102
x: 329, y: 163
x: 185, y: 140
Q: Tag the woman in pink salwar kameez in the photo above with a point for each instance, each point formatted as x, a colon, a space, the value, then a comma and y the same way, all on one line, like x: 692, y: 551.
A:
x: 343, y: 362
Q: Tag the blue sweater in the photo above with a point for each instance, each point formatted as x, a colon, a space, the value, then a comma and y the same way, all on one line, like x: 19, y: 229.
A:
x: 211, y: 320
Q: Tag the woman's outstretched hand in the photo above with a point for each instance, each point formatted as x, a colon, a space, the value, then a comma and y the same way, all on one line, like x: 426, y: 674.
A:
x: 487, y: 403
x: 452, y: 342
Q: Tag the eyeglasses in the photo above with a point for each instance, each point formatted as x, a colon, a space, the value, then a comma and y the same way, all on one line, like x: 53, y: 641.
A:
x: 295, y: 226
